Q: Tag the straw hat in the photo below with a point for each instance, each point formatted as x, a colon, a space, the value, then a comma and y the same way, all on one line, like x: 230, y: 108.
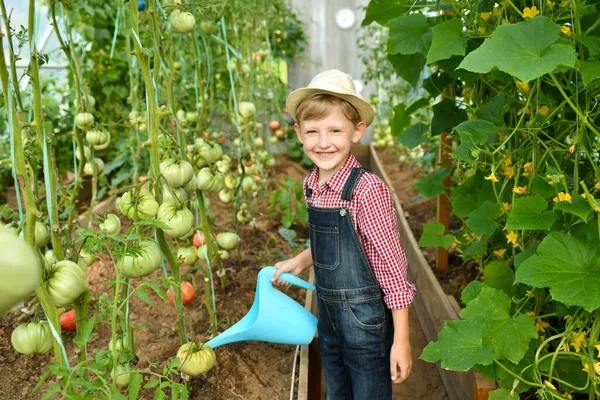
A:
x: 335, y: 83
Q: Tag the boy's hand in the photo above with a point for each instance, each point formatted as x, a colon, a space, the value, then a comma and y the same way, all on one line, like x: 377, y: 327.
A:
x: 292, y: 266
x: 400, y: 361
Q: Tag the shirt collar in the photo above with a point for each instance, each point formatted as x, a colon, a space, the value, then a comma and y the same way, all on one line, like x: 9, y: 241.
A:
x: 337, y: 181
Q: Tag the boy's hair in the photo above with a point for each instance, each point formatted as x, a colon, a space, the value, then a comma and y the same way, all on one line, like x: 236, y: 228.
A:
x: 318, y: 106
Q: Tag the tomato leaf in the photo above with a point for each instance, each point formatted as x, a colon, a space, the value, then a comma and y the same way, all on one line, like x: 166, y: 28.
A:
x: 135, y: 384
x: 433, y: 235
x: 409, y: 34
x: 159, y: 291
x: 569, y: 266
x: 141, y: 293
x: 511, y: 335
x: 287, y: 219
x: 511, y: 49
x: 284, y: 200
x: 529, y: 213
x: 301, y: 214
x: 447, y: 41
x: 460, y: 345
x: 151, y: 383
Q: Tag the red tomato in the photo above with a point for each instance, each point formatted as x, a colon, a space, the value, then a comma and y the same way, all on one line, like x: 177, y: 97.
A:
x: 199, y: 239
x: 222, y: 139
x: 67, y: 321
x: 274, y: 125
x: 187, y: 294
x: 285, y: 111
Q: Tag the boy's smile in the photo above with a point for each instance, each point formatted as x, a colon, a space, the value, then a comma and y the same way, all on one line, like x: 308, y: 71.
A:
x: 327, y: 141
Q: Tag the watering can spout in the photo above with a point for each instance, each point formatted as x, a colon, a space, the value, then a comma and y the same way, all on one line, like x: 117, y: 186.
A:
x: 274, y: 317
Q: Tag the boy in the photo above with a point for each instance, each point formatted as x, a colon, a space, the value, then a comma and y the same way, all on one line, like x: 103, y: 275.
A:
x: 360, y: 268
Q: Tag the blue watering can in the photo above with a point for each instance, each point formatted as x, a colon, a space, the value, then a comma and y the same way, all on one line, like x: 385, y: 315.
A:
x: 274, y: 316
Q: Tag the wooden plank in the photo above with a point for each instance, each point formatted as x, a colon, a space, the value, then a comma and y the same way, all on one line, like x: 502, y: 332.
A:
x: 432, y: 305
x: 303, y: 374
x: 443, y: 200
x: 482, y: 387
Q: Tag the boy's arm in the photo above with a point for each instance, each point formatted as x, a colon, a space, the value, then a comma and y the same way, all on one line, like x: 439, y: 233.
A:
x: 401, y: 355
x: 294, y: 265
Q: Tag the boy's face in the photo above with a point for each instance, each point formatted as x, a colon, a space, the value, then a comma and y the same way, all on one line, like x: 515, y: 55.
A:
x: 327, y: 142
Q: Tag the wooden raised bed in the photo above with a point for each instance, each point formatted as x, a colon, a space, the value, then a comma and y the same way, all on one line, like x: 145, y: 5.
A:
x: 431, y: 304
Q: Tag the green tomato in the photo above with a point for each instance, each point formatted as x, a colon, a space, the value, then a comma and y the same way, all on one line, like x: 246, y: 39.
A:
x: 66, y: 282
x: 111, y: 224
x: 228, y: 240
x: 196, y: 358
x: 182, y: 21
x: 211, y: 153
x: 225, y: 195
x: 247, y: 184
x: 191, y: 186
x: 176, y: 172
x: 105, y: 144
x: 98, y: 166
x: 122, y: 342
x: 224, y: 254
x: 121, y: 375
x: 96, y: 137
x: 49, y: 259
x: 42, y: 234
x: 84, y: 120
x: 231, y: 181
x: 258, y: 142
x: 187, y: 255
x: 86, y: 152
x: 179, y: 219
x: 246, y: 109
x: 139, y: 205
x: 170, y: 4
x: 174, y: 195
x: 85, y: 259
x: 141, y: 260
x: 243, y: 216
x: 208, y: 27
x: 191, y: 116
x: 20, y: 271
x: 33, y: 338
x: 208, y: 182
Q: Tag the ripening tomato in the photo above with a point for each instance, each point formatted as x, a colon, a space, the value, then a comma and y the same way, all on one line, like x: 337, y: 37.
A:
x: 187, y: 294
x: 222, y: 139
x: 196, y: 358
x: 285, y: 111
x: 199, y: 239
x: 274, y: 125
x: 68, y: 321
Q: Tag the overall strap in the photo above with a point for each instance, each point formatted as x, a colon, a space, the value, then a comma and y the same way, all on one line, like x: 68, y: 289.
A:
x: 351, y: 182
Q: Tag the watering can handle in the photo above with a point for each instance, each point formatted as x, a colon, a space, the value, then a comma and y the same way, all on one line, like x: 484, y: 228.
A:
x: 286, y: 276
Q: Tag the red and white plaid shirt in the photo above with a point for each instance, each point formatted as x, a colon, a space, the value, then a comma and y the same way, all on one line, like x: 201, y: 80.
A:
x: 374, y: 218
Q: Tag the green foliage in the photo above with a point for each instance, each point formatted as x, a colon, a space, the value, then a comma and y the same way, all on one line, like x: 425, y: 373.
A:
x: 516, y: 93
x: 289, y: 200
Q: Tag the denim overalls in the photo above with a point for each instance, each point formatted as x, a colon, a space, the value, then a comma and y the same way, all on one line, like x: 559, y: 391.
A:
x: 355, y: 326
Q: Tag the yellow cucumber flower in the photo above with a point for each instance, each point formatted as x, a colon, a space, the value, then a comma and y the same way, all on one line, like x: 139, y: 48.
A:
x: 492, y: 177
x: 530, y: 12
x: 519, y: 189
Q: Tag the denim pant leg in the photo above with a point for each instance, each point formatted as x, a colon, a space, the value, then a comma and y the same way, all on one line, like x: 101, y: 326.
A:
x: 337, y: 379
x: 367, y: 357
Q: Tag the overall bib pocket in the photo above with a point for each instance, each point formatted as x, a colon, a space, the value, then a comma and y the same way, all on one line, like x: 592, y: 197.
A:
x: 325, y: 246
x: 368, y: 313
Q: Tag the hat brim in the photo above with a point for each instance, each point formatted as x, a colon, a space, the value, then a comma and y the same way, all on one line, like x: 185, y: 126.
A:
x: 365, y: 111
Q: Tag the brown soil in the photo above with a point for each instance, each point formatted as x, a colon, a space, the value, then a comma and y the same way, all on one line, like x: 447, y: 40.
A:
x: 244, y: 370
x: 420, y: 210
